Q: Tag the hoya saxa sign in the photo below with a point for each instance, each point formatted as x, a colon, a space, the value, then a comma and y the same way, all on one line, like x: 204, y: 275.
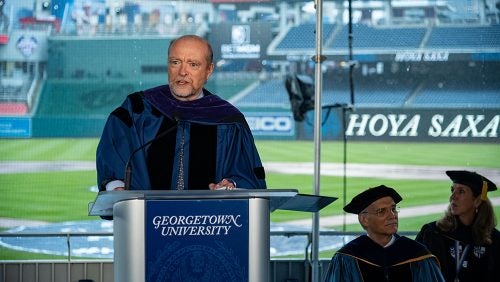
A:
x: 429, y: 125
x: 435, y: 126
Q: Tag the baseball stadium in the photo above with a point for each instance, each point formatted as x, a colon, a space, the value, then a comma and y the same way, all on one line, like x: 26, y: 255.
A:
x: 340, y: 96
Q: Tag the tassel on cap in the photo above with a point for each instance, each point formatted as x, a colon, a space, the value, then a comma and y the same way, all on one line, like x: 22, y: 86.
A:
x: 484, y: 191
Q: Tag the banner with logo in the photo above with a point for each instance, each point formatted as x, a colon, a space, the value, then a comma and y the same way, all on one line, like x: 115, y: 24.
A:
x: 277, y: 124
x: 14, y: 127
x: 196, y: 240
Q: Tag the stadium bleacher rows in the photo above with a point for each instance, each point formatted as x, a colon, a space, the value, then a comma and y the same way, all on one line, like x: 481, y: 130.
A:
x: 89, y: 99
x: 465, y: 37
x: 474, y: 92
x: 14, y: 98
x: 420, y: 92
x: 303, y: 36
x: 336, y: 37
x: 370, y: 37
x: 370, y: 93
x: 10, y: 93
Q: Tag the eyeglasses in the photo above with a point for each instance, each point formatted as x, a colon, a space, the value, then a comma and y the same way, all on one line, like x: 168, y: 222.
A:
x: 383, y: 211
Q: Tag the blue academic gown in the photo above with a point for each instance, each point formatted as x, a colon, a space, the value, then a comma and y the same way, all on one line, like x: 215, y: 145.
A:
x: 363, y: 260
x: 195, y: 143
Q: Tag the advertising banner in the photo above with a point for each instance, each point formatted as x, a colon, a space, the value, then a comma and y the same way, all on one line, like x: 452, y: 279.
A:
x: 14, y: 127
x: 276, y: 124
x: 429, y: 125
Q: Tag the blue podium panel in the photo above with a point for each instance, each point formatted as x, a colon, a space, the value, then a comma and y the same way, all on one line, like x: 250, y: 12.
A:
x: 197, y: 240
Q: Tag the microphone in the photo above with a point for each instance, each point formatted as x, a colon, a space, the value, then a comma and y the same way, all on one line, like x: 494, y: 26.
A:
x: 128, y: 165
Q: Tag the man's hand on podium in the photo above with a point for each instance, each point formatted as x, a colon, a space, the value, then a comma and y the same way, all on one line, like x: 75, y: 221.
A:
x: 224, y: 184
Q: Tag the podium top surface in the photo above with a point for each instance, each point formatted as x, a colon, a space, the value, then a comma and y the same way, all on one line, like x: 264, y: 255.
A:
x: 286, y: 199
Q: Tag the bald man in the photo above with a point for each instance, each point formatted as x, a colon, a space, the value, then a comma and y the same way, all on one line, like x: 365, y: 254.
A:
x: 179, y: 136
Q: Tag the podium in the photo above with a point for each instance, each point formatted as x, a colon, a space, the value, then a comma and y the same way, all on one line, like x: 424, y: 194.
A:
x: 196, y: 235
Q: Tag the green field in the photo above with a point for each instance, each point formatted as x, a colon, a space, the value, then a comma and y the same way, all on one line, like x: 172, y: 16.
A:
x: 63, y: 196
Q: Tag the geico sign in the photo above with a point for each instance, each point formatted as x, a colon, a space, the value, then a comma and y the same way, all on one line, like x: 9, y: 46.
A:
x: 268, y: 124
x: 438, y: 125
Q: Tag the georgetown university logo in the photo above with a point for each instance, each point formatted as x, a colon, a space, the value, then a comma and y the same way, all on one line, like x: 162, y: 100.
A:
x: 197, y: 240
x: 197, y: 263
x: 196, y: 225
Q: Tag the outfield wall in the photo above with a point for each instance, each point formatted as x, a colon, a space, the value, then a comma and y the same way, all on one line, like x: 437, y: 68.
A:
x: 362, y: 124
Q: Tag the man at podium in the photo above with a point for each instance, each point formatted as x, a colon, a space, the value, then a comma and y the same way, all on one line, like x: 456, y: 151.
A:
x: 179, y: 136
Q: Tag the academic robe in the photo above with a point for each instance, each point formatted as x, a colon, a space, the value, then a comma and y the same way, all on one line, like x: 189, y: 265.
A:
x: 195, y: 143
x: 480, y: 263
x: 364, y: 260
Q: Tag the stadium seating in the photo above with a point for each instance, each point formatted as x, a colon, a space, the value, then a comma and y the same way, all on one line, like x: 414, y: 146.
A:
x: 380, y: 93
x: 272, y: 93
x: 80, y: 98
x: 465, y: 37
x: 376, y: 38
x: 467, y: 90
x: 369, y: 37
x: 459, y: 94
x: 14, y: 98
x: 303, y: 36
x: 13, y: 109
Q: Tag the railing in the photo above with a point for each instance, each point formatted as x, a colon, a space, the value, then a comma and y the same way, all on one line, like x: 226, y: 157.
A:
x: 67, y: 235
x: 307, y: 249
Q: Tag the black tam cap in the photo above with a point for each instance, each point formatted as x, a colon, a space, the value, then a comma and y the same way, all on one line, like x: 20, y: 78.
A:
x: 475, y: 181
x: 367, y: 197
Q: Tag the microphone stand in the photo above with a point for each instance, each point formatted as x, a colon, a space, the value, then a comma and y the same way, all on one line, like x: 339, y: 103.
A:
x: 128, y: 166
x: 352, y: 65
x: 345, y: 108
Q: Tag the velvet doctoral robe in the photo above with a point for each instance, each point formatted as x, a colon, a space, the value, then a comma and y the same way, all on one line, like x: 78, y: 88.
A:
x: 174, y: 144
x: 364, y: 260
